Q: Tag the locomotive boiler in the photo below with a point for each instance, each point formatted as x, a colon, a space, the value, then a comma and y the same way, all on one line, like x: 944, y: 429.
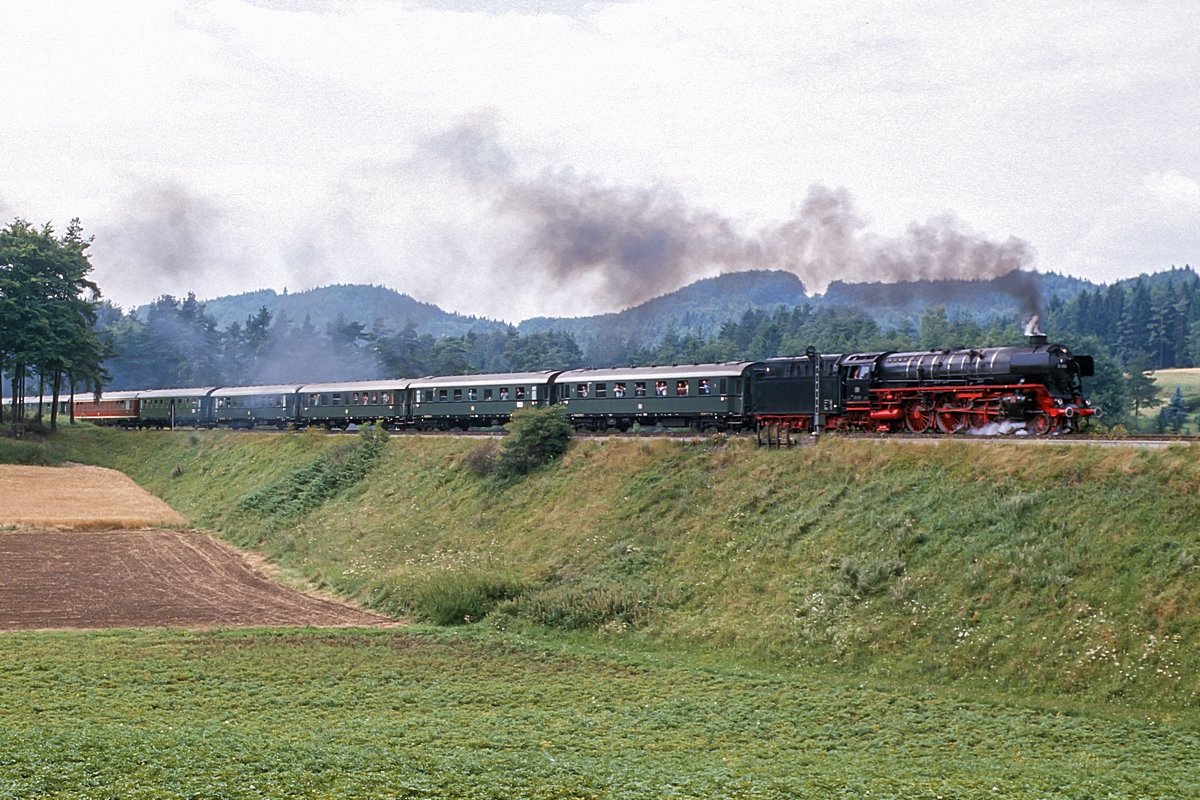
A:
x: 1036, y: 387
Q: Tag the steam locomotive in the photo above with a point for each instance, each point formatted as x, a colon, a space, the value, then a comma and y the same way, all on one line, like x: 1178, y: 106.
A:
x: 1036, y: 387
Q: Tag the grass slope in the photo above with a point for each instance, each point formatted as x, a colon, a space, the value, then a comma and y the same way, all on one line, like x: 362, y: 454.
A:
x: 1038, y: 571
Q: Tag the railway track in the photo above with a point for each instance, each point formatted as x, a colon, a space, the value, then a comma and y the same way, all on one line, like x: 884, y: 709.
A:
x: 1148, y: 441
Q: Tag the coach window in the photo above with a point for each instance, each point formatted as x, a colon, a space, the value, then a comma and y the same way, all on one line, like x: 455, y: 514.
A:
x: 487, y: 394
x: 503, y: 392
x: 458, y: 394
x: 581, y: 390
x: 703, y: 387
x: 601, y: 389
x: 639, y: 389
x: 681, y: 388
x: 441, y: 394
x: 737, y: 386
x: 337, y: 399
x: 723, y: 384
x: 660, y: 388
x: 520, y: 392
x: 533, y: 393
x: 471, y: 395
x: 618, y: 390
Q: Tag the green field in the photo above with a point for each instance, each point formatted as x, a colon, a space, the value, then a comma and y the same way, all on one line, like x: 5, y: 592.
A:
x: 916, y: 620
x: 1186, y: 380
x: 390, y: 714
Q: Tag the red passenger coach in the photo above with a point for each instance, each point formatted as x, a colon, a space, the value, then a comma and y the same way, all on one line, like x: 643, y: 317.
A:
x: 114, y: 408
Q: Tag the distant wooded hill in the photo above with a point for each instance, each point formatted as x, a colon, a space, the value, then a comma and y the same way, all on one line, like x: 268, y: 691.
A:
x: 699, y: 308
x: 356, y: 302
x: 361, y: 332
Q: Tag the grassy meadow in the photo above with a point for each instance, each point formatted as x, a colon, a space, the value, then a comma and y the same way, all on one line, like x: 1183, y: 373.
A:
x: 297, y: 714
x: 913, y: 619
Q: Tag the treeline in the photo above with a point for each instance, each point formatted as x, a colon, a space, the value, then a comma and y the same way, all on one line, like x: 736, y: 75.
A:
x: 1147, y: 324
x: 48, y: 338
x: 1130, y: 328
x: 179, y: 344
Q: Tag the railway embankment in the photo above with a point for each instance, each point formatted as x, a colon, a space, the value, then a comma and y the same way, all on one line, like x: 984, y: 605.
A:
x: 1039, y: 572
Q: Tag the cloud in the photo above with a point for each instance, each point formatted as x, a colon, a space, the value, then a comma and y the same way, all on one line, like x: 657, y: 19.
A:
x: 1156, y: 223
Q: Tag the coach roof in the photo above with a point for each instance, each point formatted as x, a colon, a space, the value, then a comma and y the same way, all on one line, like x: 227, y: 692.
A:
x: 491, y: 379
x: 727, y: 369
x: 247, y: 391
x: 195, y: 391
x: 396, y: 385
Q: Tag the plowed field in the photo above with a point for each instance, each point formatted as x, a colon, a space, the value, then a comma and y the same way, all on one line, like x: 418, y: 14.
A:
x: 128, y: 579
x: 87, y: 578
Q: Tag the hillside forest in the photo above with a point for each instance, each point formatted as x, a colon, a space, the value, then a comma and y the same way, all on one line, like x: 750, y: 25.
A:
x: 56, y: 335
x: 1131, y: 327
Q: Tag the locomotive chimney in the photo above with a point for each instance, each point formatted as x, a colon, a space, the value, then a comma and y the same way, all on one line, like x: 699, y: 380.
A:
x: 1034, y: 332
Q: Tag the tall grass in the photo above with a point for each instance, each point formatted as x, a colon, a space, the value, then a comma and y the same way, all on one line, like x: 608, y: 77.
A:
x: 1020, y: 568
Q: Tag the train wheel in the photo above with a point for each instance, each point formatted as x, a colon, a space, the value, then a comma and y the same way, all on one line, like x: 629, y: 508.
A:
x: 950, y: 421
x: 1041, y: 424
x: 916, y: 417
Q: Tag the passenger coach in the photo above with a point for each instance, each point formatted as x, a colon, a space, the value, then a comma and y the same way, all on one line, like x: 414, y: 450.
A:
x: 339, y: 405
x: 479, y: 401
x: 168, y: 408
x: 250, y: 406
x: 703, y: 396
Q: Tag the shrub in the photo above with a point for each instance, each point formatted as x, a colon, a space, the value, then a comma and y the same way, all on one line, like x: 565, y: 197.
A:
x: 536, y: 437
x: 483, y: 460
x: 573, y: 607
x: 456, y: 598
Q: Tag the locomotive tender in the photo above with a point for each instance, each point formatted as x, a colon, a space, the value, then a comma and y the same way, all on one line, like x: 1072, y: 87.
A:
x: 1037, y: 387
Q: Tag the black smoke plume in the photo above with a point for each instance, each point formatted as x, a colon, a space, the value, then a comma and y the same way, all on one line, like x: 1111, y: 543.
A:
x: 634, y: 243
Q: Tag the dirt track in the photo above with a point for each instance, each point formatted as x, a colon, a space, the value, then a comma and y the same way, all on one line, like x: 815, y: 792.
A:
x: 127, y: 579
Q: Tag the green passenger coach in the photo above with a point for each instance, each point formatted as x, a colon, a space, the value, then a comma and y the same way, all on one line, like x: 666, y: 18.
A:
x: 339, y: 405
x: 251, y: 406
x: 171, y: 408
x: 475, y: 401
x: 711, y: 397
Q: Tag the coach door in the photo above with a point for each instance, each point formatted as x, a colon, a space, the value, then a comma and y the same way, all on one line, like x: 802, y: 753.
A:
x: 831, y: 385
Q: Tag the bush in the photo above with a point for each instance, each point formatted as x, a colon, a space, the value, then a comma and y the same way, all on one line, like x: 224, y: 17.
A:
x: 536, y: 437
x: 575, y: 607
x: 457, y: 598
x: 483, y: 460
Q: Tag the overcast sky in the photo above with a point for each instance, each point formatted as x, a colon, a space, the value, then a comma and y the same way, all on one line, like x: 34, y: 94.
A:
x: 533, y: 158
